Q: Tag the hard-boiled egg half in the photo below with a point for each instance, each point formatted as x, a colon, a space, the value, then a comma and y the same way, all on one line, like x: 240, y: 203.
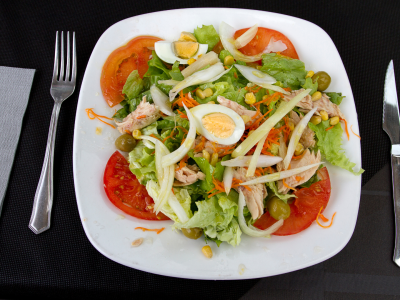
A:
x: 218, y: 123
x: 182, y: 50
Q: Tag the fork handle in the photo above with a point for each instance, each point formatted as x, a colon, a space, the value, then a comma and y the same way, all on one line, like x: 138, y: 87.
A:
x: 43, y: 201
x: 396, y: 199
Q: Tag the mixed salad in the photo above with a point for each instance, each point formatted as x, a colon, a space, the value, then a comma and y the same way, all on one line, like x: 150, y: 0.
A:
x: 226, y: 133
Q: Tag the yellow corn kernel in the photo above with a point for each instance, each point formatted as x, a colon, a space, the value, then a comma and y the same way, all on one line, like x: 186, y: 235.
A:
x: 291, y: 125
x: 316, y: 96
x: 315, y: 120
x: 245, y: 118
x: 249, y: 98
x: 310, y: 74
x: 190, y: 61
x: 299, y: 149
x: 206, y: 155
x: 200, y: 94
x: 250, y: 132
x: 214, y: 159
x: 229, y: 60
x: 136, y: 133
x: 334, y: 120
x: 211, y: 102
x: 208, y: 92
x: 207, y: 251
x: 258, y: 67
x: 324, y: 115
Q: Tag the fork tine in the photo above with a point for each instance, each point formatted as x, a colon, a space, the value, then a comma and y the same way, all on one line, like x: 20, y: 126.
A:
x: 67, y: 71
x: 55, y: 69
x: 73, y: 75
x: 62, y: 57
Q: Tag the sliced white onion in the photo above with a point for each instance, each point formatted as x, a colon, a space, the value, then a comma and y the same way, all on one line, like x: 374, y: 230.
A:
x: 210, y: 58
x: 280, y: 175
x: 296, y: 135
x: 197, y: 78
x: 264, y: 129
x: 227, y: 179
x: 273, y: 87
x: 253, y: 162
x: 251, y: 230
x: 177, y: 208
x: 275, y: 46
x: 226, y: 34
x: 254, y: 75
x: 148, y: 144
x: 165, y: 174
x: 244, y: 161
x: 219, y: 76
x: 169, y: 82
x: 179, y: 153
x: 246, y: 37
x: 161, y: 100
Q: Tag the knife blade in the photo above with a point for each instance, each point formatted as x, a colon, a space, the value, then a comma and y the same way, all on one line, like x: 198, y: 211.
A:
x: 391, y: 125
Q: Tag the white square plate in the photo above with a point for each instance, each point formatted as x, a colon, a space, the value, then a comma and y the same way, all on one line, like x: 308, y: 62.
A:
x: 169, y: 253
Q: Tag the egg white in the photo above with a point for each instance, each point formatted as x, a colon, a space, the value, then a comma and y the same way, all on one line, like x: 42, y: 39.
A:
x: 202, y: 110
x: 164, y: 51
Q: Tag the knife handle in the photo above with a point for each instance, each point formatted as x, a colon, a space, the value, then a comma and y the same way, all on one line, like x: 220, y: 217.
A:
x: 396, y: 199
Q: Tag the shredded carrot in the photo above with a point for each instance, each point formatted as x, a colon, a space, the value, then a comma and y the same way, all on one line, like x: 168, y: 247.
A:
x: 354, y: 132
x: 345, y: 128
x: 268, y: 100
x: 287, y: 186
x: 226, y: 67
x: 141, y: 117
x: 92, y: 115
x: 287, y: 89
x: 220, y: 188
x: 128, y: 132
x: 156, y: 230
x: 200, y: 146
x: 329, y: 128
x: 324, y: 219
x: 182, y: 115
x: 183, y: 129
x: 235, y: 75
x: 298, y: 178
x: 182, y: 163
x: 185, y: 99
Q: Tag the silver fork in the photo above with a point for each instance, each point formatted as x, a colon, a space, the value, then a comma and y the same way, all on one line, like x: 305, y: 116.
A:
x: 62, y: 86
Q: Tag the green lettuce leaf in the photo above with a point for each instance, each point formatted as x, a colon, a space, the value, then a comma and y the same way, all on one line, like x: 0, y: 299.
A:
x: 310, y: 85
x: 216, y: 216
x: 330, y: 144
x: 207, y: 35
x: 133, y: 85
x: 290, y: 72
x: 175, y: 72
x: 274, y: 189
x: 142, y: 163
x: 156, y: 66
x: 335, y: 97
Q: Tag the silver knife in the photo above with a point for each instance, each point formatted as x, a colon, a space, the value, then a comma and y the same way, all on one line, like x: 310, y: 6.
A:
x: 391, y: 124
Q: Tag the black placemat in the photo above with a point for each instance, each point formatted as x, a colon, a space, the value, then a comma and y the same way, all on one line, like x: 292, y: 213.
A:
x: 61, y: 262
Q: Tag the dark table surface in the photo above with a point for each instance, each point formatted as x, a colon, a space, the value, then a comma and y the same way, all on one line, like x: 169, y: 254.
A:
x: 62, y: 263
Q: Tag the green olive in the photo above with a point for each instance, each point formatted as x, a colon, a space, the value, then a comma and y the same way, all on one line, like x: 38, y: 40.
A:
x: 278, y: 209
x: 125, y: 143
x: 324, y: 80
x: 192, y: 233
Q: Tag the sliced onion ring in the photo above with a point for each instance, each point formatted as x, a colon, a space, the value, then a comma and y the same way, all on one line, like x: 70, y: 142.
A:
x: 280, y: 175
x: 246, y: 37
x: 251, y: 230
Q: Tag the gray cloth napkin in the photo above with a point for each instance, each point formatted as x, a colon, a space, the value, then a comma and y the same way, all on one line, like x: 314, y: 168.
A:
x: 15, y: 87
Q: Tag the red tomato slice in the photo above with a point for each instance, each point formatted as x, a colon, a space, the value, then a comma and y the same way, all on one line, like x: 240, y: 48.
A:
x: 261, y: 41
x: 305, y: 208
x: 121, y: 62
x: 125, y: 191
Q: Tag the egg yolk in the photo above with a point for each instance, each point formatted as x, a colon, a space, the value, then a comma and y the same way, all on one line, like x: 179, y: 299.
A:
x: 220, y: 125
